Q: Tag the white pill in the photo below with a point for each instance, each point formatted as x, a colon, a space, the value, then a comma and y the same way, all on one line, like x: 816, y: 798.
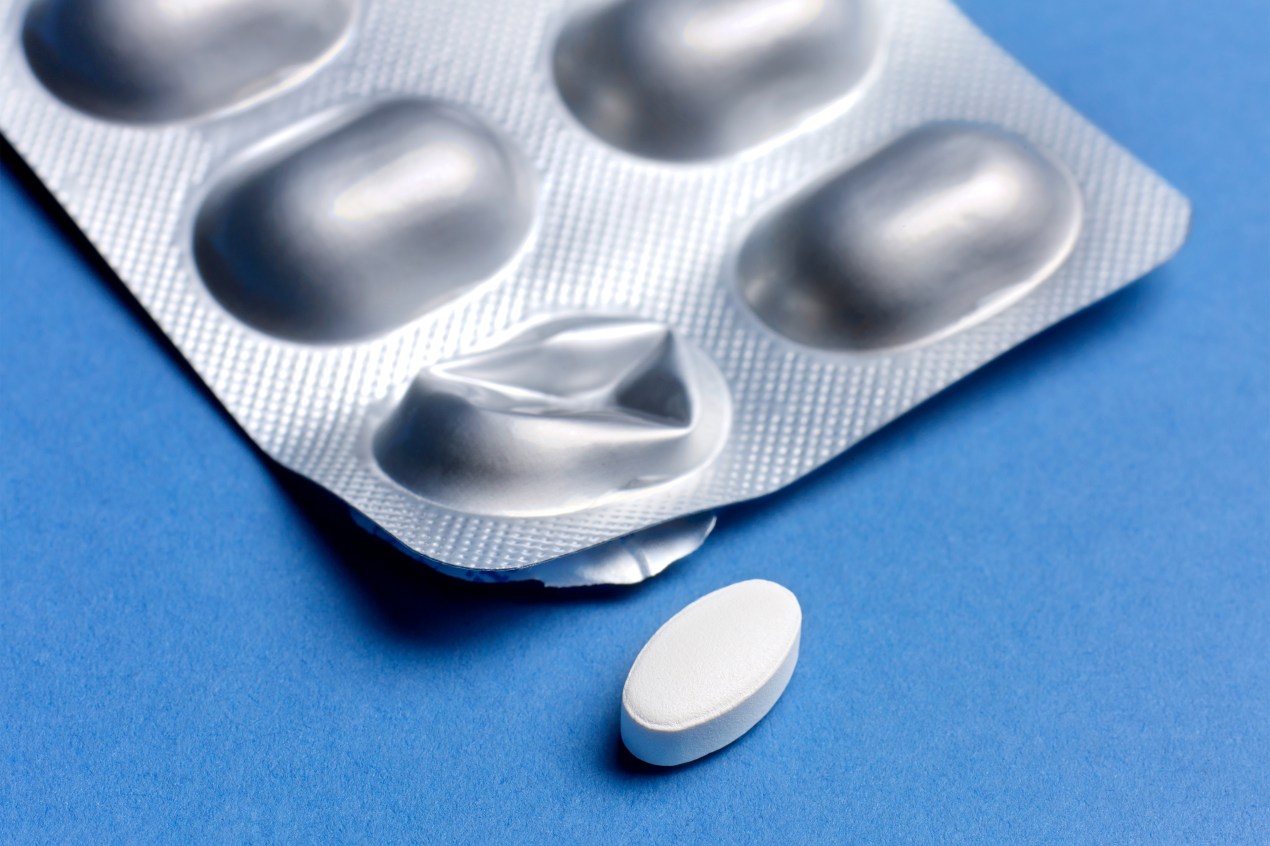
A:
x: 711, y: 673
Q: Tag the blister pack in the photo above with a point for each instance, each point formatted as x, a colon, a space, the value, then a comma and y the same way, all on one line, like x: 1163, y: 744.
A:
x: 524, y: 279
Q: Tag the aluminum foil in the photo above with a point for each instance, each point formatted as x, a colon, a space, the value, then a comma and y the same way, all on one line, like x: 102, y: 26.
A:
x: 535, y: 281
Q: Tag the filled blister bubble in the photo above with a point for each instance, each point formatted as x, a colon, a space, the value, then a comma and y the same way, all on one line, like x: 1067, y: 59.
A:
x: 154, y: 61
x: 683, y: 80
x: 559, y: 418
x: 939, y: 230
x: 365, y: 224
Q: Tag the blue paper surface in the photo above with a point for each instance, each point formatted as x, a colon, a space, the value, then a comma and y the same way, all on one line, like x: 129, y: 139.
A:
x: 1037, y: 610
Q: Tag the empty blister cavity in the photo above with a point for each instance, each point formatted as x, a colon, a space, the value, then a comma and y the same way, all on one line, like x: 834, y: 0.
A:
x: 365, y: 223
x: 153, y: 61
x: 939, y: 230
x: 559, y: 418
x: 683, y: 80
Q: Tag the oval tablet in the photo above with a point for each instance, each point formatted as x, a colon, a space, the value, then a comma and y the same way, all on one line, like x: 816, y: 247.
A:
x: 711, y: 673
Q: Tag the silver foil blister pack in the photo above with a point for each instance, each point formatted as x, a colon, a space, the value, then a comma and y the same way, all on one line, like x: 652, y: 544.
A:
x: 532, y: 281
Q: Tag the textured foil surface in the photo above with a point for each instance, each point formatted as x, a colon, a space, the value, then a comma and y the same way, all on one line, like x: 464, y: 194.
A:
x: 515, y: 279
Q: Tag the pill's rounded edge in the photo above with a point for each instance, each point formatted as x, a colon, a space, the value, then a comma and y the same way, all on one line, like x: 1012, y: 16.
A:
x: 718, y: 731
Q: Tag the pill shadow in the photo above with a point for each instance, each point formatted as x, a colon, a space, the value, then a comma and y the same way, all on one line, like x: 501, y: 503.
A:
x: 626, y: 767
x: 618, y: 760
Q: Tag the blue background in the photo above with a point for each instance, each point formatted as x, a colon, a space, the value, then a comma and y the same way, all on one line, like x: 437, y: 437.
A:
x: 1037, y: 609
